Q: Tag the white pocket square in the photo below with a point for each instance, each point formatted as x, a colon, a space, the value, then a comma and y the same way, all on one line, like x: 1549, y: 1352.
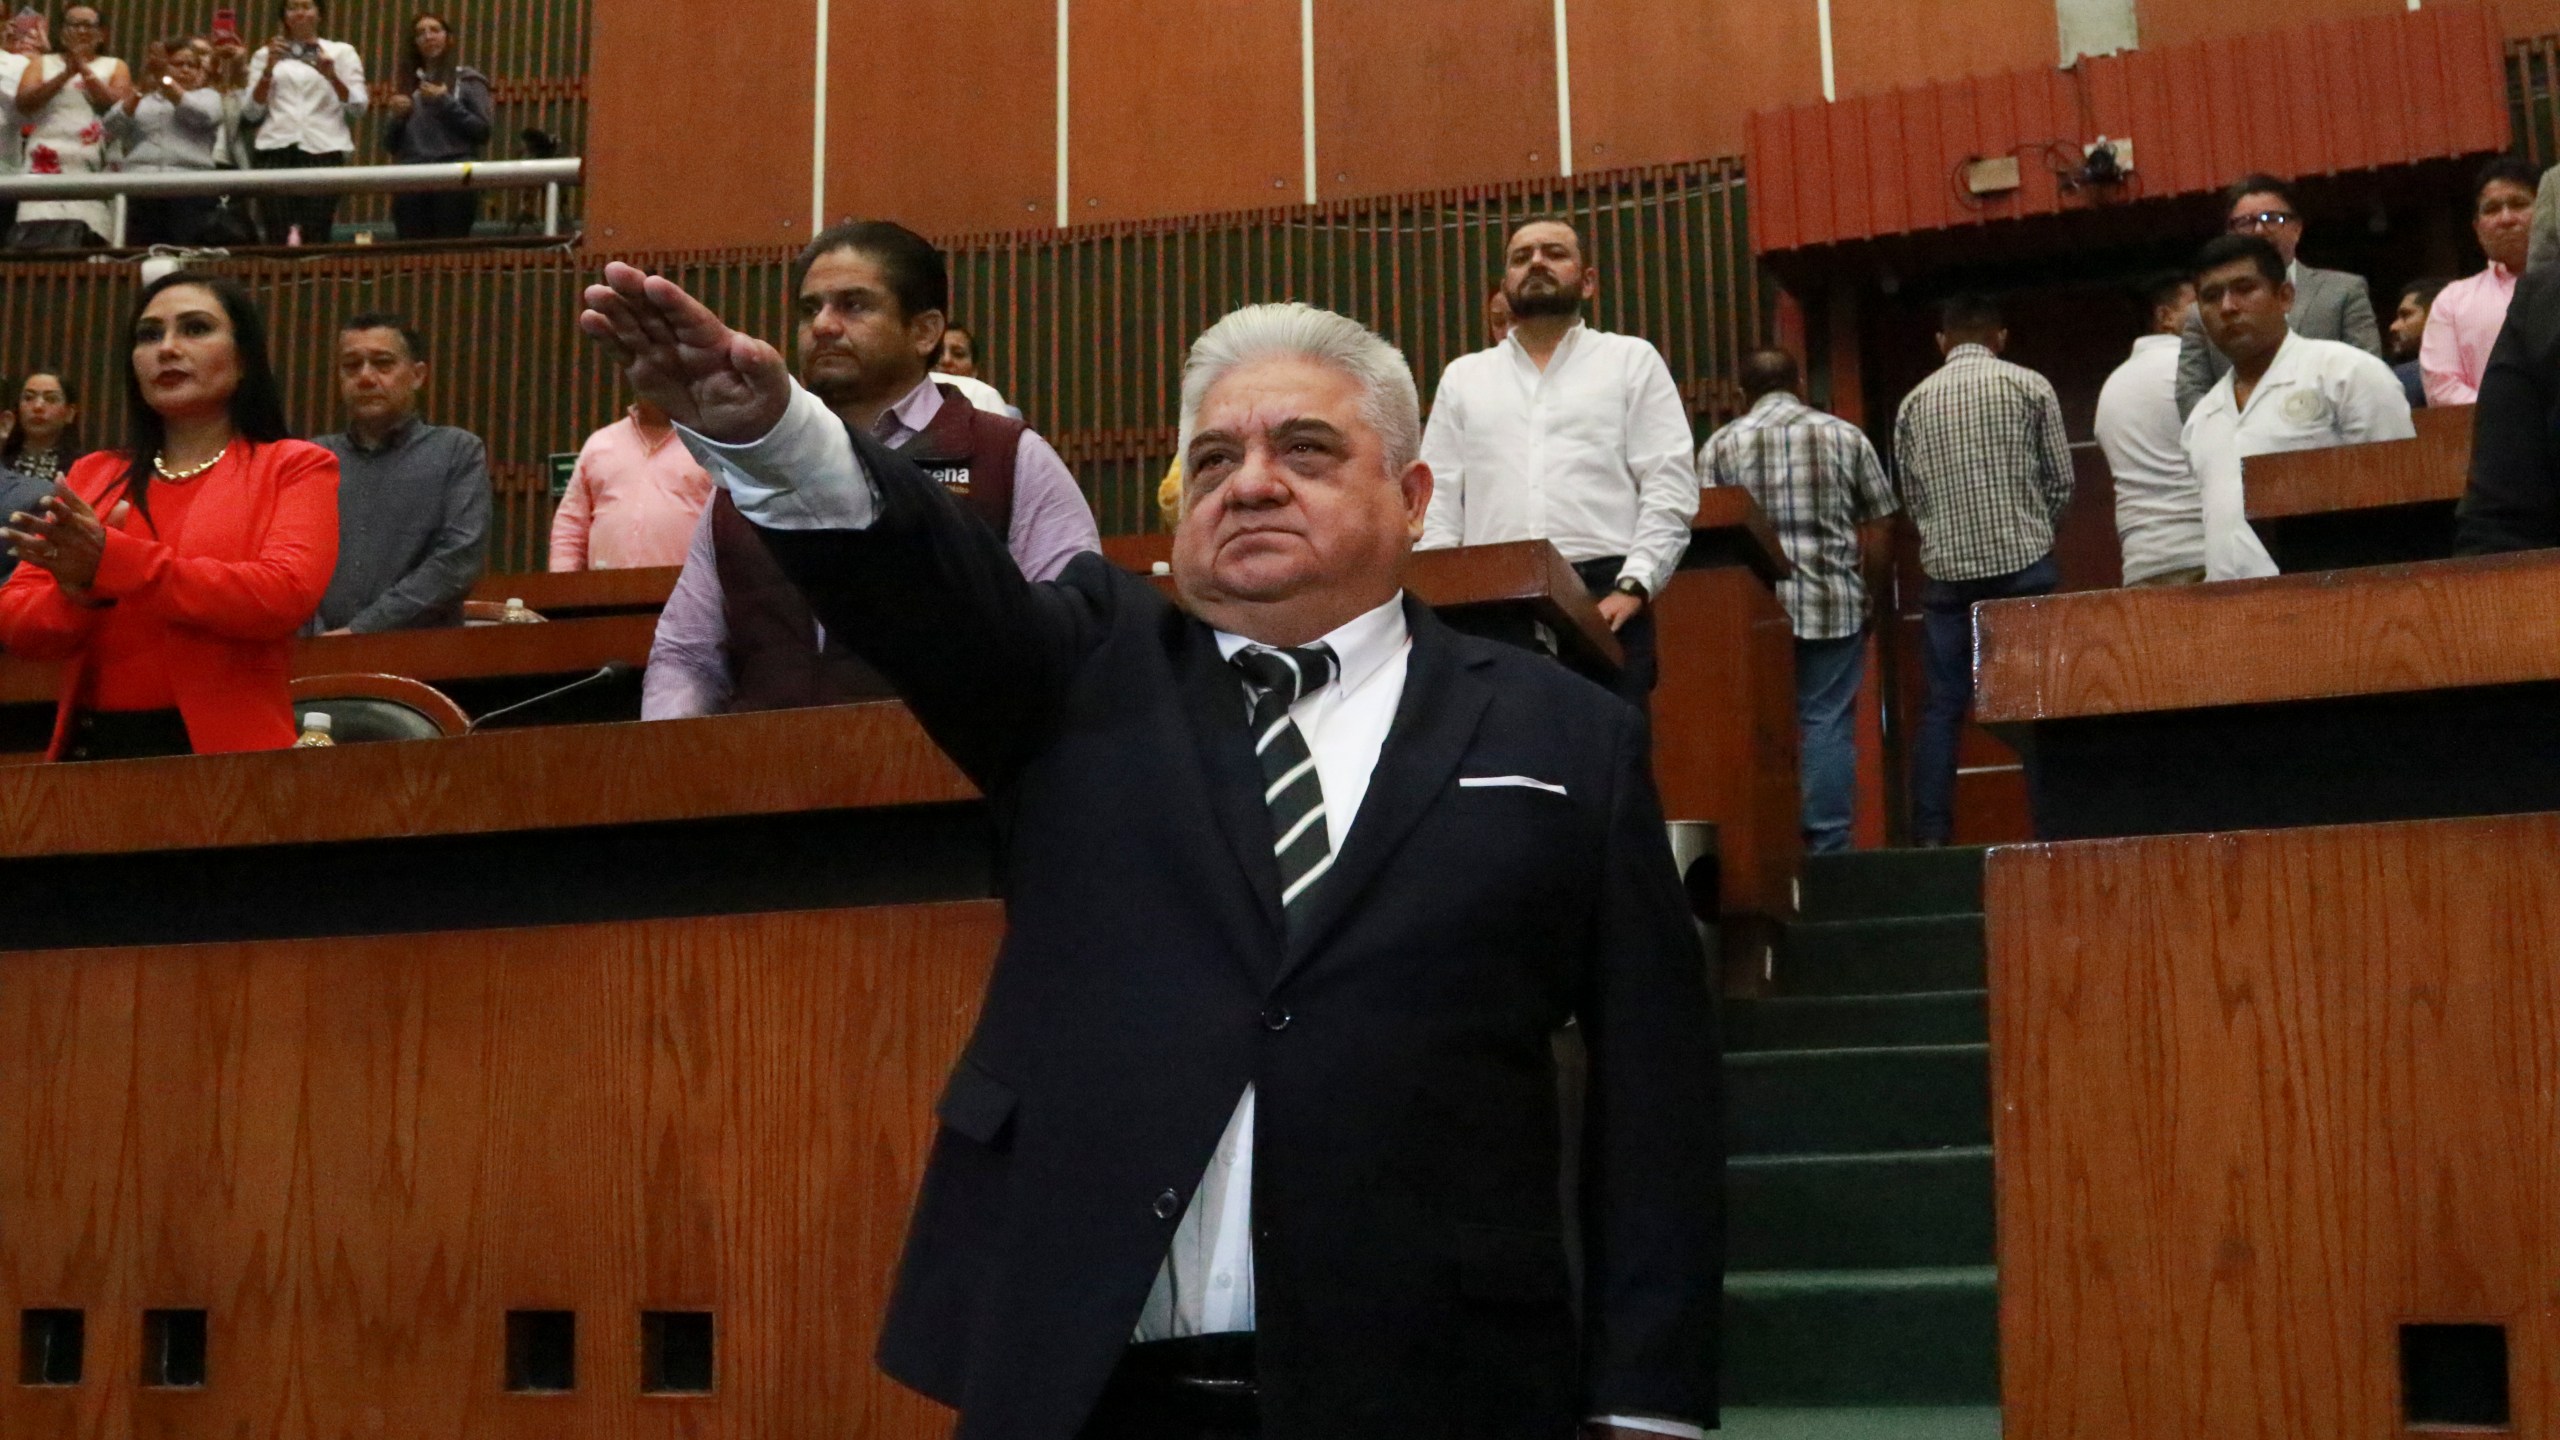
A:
x: 1498, y: 782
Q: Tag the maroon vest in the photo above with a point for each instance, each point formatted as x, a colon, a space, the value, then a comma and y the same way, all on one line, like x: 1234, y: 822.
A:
x: 774, y: 659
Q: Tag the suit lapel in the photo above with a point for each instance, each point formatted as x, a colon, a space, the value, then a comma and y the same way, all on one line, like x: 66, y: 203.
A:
x: 1434, y: 722
x: 1214, y: 700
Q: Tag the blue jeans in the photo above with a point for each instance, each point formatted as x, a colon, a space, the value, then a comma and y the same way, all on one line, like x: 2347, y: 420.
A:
x: 1946, y: 616
x: 1828, y: 673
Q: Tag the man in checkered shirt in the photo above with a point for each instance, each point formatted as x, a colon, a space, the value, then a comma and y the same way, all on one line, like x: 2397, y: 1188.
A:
x: 1985, y: 473
x: 1825, y: 493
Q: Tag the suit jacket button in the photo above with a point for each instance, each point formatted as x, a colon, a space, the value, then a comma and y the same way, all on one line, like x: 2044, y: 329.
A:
x: 1168, y: 1205
x: 1275, y: 1018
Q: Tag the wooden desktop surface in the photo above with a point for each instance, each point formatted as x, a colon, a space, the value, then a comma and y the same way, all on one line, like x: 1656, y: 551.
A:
x: 2259, y: 1099
x: 582, y: 592
x: 2434, y: 467
x: 2439, y: 625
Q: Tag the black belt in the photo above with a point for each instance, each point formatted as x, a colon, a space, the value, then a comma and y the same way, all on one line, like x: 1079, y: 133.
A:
x: 127, y: 735
x: 1198, y: 1385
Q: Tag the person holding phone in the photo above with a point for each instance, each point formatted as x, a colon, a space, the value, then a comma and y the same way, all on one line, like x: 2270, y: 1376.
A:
x: 169, y: 124
x: 62, y: 101
x: 438, y: 112
x: 304, y: 92
x: 20, y: 43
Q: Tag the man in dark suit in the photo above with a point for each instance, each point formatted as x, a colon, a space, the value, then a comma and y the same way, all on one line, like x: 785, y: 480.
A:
x: 2513, y: 502
x: 1258, y: 1132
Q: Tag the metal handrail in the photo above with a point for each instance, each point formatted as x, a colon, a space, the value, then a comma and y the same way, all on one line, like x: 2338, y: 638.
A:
x: 117, y: 186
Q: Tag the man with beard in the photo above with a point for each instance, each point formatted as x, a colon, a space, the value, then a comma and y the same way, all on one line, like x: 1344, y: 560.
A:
x: 1566, y: 433
x: 874, y: 298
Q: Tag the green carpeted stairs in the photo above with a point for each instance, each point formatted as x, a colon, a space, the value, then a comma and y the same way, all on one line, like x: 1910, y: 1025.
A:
x: 1860, y: 1299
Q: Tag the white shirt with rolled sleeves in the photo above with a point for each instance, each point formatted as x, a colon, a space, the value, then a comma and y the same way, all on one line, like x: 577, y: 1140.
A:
x: 804, y: 475
x: 1594, y: 453
x: 2159, y: 515
x: 2315, y: 394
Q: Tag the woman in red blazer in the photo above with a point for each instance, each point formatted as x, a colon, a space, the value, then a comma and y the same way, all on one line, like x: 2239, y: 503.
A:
x: 170, y: 577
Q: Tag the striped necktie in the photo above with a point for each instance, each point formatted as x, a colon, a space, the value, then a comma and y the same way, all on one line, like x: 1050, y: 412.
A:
x: 1280, y: 679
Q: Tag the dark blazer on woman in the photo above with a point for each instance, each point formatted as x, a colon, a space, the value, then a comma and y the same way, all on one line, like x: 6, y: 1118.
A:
x: 1410, y: 1256
x: 2513, y: 501
x: 259, y: 545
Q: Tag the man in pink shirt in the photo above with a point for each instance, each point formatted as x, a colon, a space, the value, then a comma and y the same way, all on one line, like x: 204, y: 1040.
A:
x: 2465, y: 320
x: 634, y: 500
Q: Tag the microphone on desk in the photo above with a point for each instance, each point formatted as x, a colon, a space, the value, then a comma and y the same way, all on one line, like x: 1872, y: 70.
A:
x: 604, y: 673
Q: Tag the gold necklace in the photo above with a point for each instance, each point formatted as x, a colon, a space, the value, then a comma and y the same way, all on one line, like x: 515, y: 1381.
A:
x: 160, y: 463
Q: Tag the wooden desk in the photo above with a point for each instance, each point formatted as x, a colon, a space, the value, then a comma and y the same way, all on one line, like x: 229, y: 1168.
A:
x: 358, y: 1050
x: 2358, y: 505
x: 2259, y: 1101
x: 482, y: 666
x: 1725, y: 742
x: 2392, y: 693
x: 583, y: 592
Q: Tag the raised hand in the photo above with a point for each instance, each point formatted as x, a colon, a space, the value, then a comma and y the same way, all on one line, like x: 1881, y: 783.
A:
x: 67, y: 539
x: 717, y: 382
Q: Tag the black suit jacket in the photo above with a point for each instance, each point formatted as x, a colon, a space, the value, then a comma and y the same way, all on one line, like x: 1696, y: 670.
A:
x: 1411, y: 1274
x: 2513, y: 502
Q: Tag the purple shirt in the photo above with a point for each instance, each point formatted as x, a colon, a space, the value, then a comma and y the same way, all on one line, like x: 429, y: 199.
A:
x: 688, y: 662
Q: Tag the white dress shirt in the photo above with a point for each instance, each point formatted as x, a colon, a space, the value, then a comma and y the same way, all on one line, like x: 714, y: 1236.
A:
x: 2316, y: 393
x: 2159, y: 510
x: 804, y: 475
x: 1593, y: 453
x: 303, y: 111
x: 13, y: 144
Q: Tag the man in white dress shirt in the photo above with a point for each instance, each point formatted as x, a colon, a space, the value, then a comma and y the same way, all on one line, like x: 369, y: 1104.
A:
x: 2159, y: 515
x: 1570, y: 434
x: 2284, y: 392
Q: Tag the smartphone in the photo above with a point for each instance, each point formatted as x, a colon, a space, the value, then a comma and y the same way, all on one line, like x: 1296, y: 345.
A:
x: 226, y: 26
x: 26, y: 28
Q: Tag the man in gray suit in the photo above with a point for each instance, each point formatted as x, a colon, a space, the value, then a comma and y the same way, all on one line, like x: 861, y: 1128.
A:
x: 2327, y: 304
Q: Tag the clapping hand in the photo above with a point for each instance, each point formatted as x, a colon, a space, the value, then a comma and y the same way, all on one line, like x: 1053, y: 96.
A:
x: 720, y: 383
x: 67, y: 540
x: 398, y: 103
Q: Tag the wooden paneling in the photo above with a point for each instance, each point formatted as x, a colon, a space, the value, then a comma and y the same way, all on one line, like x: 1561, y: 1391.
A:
x: 2389, y: 630
x: 1409, y: 96
x: 510, y: 780
x: 1180, y: 106
x: 702, y: 124
x: 358, y: 1155
x: 2434, y: 466
x: 1637, y: 67
x: 1882, y: 45
x: 2175, y: 22
x: 943, y: 115
x: 2258, y: 1099
x: 1725, y: 743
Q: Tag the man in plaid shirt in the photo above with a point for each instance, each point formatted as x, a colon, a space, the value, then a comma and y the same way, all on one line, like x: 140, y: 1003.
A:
x: 1825, y: 492
x: 1986, y: 471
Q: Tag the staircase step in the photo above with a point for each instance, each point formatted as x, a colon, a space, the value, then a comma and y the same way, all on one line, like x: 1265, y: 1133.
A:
x: 1861, y: 1337
x: 1819, y: 1022
x: 1845, y: 1102
x: 1859, y: 1212
x: 1883, y: 957
x: 1905, y: 1422
x: 1884, y: 884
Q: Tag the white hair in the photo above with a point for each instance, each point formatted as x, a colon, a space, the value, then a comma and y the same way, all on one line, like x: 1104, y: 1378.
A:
x: 1389, y: 401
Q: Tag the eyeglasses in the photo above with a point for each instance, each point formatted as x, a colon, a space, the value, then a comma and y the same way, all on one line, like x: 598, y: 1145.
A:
x: 2261, y: 220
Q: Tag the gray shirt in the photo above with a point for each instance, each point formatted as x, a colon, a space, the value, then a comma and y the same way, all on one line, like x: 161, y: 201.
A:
x: 18, y: 493
x: 413, y: 519
x: 440, y: 129
x: 159, y: 136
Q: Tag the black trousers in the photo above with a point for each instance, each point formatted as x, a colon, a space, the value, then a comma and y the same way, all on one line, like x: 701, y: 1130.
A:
x: 127, y: 735
x: 1200, y: 1388
x: 1636, y: 676
x: 435, y: 214
x: 169, y: 220
x: 315, y: 215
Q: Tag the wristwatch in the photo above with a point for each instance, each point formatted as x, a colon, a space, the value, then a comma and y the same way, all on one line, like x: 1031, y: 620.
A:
x: 1629, y: 585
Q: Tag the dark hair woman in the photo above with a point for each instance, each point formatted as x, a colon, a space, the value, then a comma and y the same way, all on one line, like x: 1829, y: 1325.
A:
x: 45, y: 436
x: 183, y: 645
x: 438, y: 112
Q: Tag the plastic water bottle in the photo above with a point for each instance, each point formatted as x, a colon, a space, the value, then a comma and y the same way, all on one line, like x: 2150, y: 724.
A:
x: 517, y: 614
x: 315, y: 732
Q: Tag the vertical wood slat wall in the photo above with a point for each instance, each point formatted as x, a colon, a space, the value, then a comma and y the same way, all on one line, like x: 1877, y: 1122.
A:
x: 533, y: 51
x: 1084, y: 329
x: 2533, y: 96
